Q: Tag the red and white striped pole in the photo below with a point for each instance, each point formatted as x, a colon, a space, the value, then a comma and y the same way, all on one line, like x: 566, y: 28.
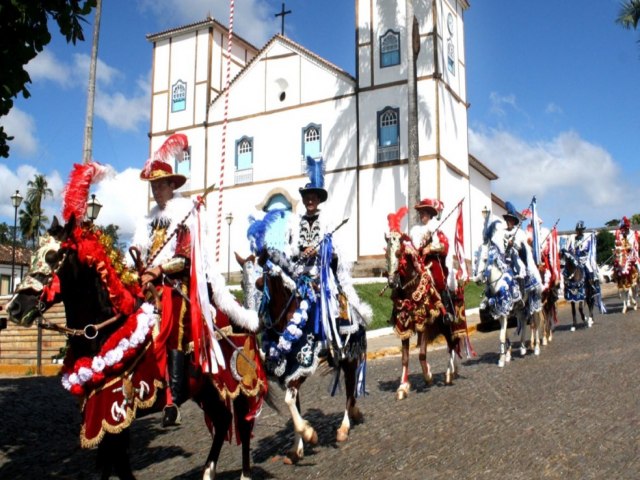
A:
x: 223, y: 153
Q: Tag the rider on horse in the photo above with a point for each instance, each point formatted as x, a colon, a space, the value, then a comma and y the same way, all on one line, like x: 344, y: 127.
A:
x: 171, y: 242
x: 626, y: 256
x: 583, y: 248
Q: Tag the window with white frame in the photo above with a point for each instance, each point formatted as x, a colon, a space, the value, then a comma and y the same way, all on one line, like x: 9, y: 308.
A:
x: 388, y: 134
x: 244, y: 160
x: 390, y: 49
x: 178, y: 96
x: 311, y: 141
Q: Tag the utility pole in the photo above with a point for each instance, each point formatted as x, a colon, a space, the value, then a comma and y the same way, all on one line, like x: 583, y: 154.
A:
x: 87, y: 150
x: 413, y: 161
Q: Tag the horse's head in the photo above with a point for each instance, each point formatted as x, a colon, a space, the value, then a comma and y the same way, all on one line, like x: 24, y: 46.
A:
x: 571, y: 269
x: 490, y: 266
x: 26, y: 305
x: 403, y: 260
x: 251, y: 273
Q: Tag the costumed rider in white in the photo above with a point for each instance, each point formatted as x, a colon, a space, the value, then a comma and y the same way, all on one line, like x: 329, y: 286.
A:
x: 583, y: 248
x: 519, y: 256
x: 337, y: 313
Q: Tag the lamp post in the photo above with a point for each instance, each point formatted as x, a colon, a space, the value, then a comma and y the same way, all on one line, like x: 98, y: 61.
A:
x: 16, y: 200
x: 93, y: 208
x: 486, y: 212
x: 229, y: 219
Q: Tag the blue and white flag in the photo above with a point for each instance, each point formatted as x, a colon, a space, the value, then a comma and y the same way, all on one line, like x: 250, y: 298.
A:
x: 535, y: 223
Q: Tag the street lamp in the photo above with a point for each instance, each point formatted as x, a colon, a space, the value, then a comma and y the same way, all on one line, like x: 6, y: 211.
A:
x: 229, y: 219
x: 16, y: 200
x: 485, y: 212
x: 93, y: 208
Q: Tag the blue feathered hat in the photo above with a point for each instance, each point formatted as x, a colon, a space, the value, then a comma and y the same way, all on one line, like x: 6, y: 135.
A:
x: 512, y: 213
x: 315, y: 170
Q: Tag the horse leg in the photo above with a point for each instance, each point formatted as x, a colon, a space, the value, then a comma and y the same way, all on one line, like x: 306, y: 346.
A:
x: 522, y: 323
x: 581, y: 309
x: 218, y: 413
x: 422, y: 358
x: 245, y: 428
x: 536, y: 325
x: 352, y: 412
x: 113, y: 455
x: 303, y: 431
x: 573, y: 316
x: 624, y: 295
x: 405, y: 386
x: 504, y: 348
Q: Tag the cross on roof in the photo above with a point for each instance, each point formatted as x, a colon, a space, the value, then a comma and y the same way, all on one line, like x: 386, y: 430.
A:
x: 282, y: 14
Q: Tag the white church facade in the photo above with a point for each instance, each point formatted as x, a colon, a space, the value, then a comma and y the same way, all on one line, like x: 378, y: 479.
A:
x: 285, y: 103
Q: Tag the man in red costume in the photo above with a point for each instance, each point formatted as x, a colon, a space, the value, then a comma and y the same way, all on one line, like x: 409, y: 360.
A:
x: 166, y: 257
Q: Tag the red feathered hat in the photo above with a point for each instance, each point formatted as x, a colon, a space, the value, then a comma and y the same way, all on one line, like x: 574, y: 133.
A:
x: 432, y: 205
x: 625, y: 223
x: 158, y: 168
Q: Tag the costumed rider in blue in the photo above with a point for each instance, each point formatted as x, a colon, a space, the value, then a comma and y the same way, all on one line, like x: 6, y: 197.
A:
x: 519, y: 256
x: 583, y: 248
x: 335, y: 317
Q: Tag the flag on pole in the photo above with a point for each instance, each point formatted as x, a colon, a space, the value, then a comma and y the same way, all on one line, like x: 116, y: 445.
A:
x: 554, y: 256
x: 461, y: 272
x: 536, y: 231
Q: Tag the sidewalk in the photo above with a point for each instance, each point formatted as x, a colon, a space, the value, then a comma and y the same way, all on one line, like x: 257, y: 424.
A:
x: 382, y: 342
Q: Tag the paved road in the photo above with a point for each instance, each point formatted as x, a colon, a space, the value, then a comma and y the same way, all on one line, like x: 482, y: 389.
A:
x: 572, y: 413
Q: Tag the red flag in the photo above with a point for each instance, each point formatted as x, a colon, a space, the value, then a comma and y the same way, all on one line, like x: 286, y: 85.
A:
x: 554, y: 256
x: 461, y: 272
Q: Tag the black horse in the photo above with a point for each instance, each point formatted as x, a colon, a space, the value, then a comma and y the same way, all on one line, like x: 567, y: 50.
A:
x: 112, y: 361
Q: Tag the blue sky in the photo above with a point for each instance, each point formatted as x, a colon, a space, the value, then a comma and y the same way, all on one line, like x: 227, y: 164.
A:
x: 551, y: 86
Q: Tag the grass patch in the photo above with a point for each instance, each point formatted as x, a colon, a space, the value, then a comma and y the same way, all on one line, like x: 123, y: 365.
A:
x: 381, y: 305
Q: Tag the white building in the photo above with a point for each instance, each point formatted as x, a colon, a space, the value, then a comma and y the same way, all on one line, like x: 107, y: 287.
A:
x: 285, y: 102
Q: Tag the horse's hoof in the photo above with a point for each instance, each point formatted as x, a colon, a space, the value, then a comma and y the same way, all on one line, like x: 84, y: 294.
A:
x: 403, y: 391
x: 292, y: 458
x: 573, y: 328
x: 245, y: 477
x: 448, y: 378
x: 544, y: 341
x: 536, y: 350
x: 428, y: 380
x: 523, y: 351
x: 209, y: 472
x: 502, y: 361
x: 590, y: 322
x: 507, y: 357
x: 342, y: 435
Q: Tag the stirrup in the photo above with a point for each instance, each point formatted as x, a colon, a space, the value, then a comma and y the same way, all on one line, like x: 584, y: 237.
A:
x: 171, y: 416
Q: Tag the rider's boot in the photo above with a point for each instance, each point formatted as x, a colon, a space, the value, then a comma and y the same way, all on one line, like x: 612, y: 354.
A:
x: 171, y: 413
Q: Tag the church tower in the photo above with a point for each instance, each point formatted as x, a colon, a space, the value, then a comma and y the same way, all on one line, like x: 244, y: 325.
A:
x: 382, y: 49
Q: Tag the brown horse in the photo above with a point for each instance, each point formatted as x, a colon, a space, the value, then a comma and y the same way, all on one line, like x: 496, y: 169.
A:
x: 285, y: 306
x: 112, y: 360
x: 417, y: 308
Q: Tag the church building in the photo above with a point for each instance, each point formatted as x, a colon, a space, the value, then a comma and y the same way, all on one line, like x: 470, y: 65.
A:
x: 285, y: 103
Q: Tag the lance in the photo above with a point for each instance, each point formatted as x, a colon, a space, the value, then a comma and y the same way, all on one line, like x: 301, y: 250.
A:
x: 175, y: 284
x: 450, y: 213
x: 196, y: 205
x: 318, y: 243
x: 550, y: 230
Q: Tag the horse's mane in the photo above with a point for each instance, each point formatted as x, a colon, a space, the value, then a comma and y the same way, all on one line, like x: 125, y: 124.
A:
x: 96, y: 250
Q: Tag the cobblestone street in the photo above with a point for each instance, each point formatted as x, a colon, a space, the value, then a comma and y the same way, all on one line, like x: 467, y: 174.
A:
x: 571, y: 413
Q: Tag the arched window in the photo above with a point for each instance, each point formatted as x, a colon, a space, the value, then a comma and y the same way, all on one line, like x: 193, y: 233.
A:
x: 244, y: 160
x: 178, y: 96
x: 388, y: 134
x: 311, y: 141
x: 390, y: 49
x: 277, y: 201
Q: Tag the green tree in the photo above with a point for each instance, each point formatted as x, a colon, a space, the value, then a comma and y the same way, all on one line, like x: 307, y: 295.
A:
x: 37, y: 191
x: 605, y: 244
x: 635, y: 219
x: 6, y: 234
x: 28, y: 222
x: 629, y: 14
x: 24, y: 31
x: 614, y: 222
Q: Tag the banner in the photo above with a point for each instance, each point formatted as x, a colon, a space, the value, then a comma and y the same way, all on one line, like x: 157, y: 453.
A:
x: 461, y: 272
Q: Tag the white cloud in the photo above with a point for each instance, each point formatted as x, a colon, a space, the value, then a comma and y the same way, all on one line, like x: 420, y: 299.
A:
x: 46, y: 66
x: 122, y: 112
x: 571, y: 177
x: 499, y: 102
x: 105, y: 74
x: 553, y: 108
x: 12, y: 180
x: 124, y: 200
x: 253, y: 19
x: 22, y: 127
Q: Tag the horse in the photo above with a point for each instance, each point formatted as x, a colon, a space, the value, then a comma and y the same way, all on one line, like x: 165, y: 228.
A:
x: 417, y: 308
x: 288, y: 335
x: 577, y: 289
x: 626, y: 274
x: 112, y: 360
x: 504, y: 297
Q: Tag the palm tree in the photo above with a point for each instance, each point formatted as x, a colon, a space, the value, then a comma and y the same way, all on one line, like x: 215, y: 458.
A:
x: 629, y: 14
x: 37, y: 191
x: 28, y: 221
